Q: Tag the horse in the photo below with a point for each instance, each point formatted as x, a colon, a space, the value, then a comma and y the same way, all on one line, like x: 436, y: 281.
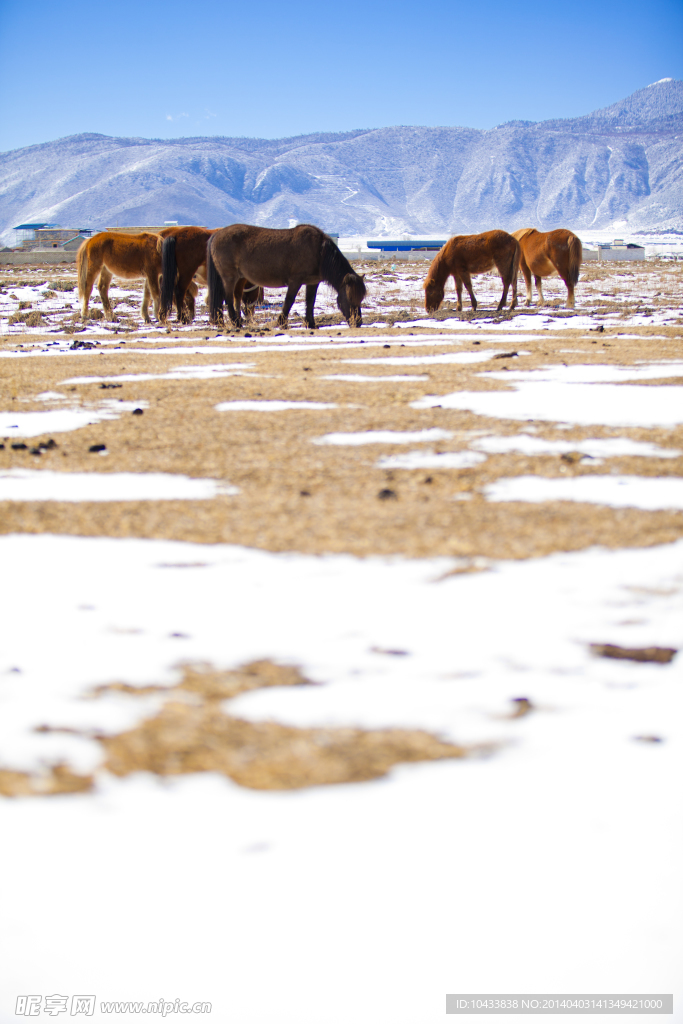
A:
x: 275, y: 258
x: 110, y: 253
x: 464, y: 255
x: 549, y: 252
x: 183, y: 258
x: 183, y: 255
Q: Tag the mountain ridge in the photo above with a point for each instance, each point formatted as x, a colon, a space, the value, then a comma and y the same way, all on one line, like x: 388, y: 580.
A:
x: 620, y: 166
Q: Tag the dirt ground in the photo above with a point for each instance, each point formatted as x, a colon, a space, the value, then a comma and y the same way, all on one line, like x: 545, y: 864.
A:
x: 298, y: 495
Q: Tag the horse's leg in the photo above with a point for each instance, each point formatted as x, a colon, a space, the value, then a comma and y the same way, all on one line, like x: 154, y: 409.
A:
x: 508, y: 279
x: 504, y: 296
x: 524, y: 267
x: 539, y: 288
x: 189, y: 308
x: 311, y: 292
x: 179, y: 298
x: 89, y: 282
x: 184, y: 298
x: 458, y: 290
x: 467, y: 281
x: 231, y: 290
x: 155, y: 292
x: 103, y: 288
x: 569, y: 285
x: 249, y: 298
x: 146, y: 296
x: 237, y: 293
x: 292, y: 292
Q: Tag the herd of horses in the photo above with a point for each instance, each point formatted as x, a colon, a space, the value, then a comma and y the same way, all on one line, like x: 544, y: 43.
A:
x: 238, y: 262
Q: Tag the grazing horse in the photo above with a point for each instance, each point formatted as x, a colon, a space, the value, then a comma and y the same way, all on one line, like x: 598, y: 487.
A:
x: 464, y: 255
x: 183, y: 257
x: 110, y: 253
x: 549, y: 252
x: 275, y: 258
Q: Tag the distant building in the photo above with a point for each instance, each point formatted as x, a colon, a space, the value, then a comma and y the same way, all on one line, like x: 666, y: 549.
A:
x: 54, y: 238
x: 45, y: 236
x: 620, y: 250
x: 75, y: 242
x: 408, y: 245
x: 26, y: 234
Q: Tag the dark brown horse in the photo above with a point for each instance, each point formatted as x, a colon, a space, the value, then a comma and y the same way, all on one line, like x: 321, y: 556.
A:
x: 183, y: 255
x: 275, y: 258
x: 112, y: 253
x: 183, y: 258
x: 464, y: 255
x: 549, y: 252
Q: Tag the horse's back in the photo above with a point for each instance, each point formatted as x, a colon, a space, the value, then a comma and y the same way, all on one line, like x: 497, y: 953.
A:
x: 124, y: 254
x: 547, y: 243
x: 120, y: 244
x: 253, y: 238
x: 187, y: 234
x: 561, y: 237
x: 521, y: 233
x: 479, y: 253
x: 269, y: 256
x: 190, y: 245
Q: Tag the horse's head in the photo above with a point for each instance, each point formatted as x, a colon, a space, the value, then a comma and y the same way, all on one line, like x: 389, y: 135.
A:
x: 434, y: 293
x: 350, y: 297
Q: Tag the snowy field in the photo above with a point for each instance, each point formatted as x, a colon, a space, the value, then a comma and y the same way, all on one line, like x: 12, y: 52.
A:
x: 341, y: 670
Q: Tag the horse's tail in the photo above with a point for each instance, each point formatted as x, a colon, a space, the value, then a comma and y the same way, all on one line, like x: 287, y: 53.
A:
x: 169, y: 271
x: 216, y: 296
x: 515, y: 260
x: 575, y: 258
x: 82, y: 263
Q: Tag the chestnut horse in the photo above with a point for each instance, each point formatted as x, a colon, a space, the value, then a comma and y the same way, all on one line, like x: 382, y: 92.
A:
x: 183, y: 257
x: 110, y: 253
x: 275, y: 258
x: 464, y: 255
x: 549, y: 252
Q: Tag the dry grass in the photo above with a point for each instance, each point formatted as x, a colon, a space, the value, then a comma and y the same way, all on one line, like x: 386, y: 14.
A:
x: 299, y: 496
x: 193, y: 733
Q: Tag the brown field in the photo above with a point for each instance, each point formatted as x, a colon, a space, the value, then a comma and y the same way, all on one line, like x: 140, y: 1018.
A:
x: 295, y: 495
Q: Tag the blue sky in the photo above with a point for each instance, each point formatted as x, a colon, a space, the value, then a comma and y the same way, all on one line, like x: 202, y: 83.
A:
x: 168, y: 69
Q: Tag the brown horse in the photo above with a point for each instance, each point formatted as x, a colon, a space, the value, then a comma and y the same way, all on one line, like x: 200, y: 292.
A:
x: 183, y: 255
x: 110, y: 253
x: 549, y: 252
x: 183, y: 258
x: 464, y: 255
x: 275, y: 258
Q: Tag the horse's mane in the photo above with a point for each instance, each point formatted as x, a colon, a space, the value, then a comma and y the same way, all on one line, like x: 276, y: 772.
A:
x: 434, y: 271
x: 334, y: 266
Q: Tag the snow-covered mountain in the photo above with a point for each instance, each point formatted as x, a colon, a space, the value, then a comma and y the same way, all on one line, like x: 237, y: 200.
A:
x: 621, y: 166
